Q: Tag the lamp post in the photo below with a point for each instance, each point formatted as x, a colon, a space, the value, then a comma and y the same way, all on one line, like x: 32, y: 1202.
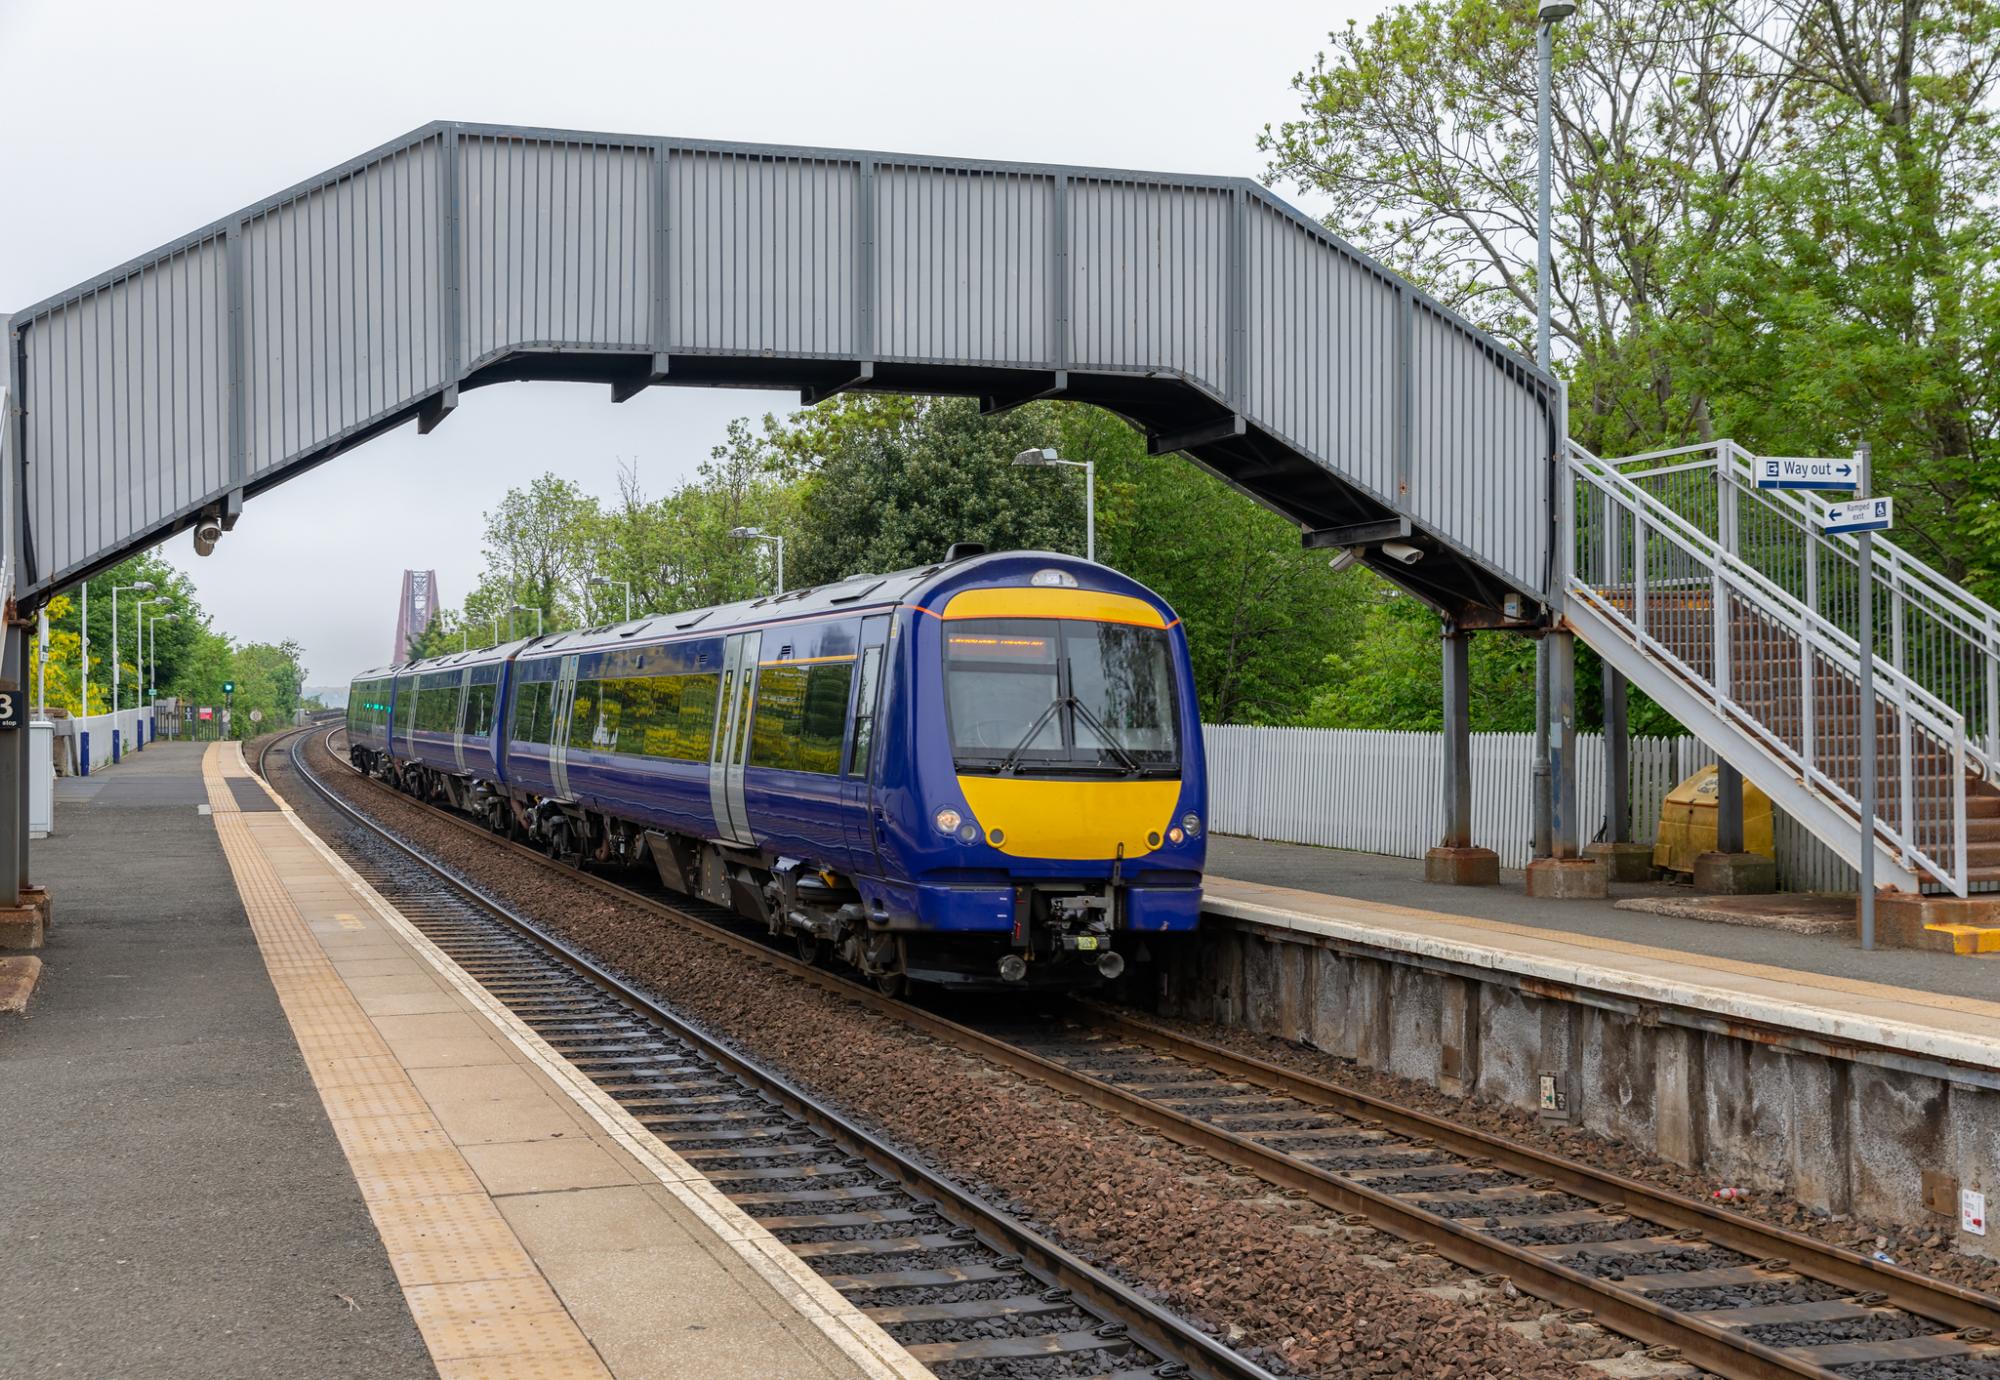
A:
x: 771, y: 538
x: 116, y: 590
x: 139, y: 633
x: 1047, y: 457
x: 153, y: 645
x: 599, y: 581
x: 1547, y: 16
x: 523, y: 608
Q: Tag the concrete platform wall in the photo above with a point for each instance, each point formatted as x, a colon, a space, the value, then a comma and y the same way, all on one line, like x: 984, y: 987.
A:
x: 1845, y: 1130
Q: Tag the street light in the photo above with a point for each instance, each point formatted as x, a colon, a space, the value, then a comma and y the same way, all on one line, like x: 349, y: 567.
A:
x: 116, y: 590
x: 759, y: 534
x: 1547, y: 16
x: 1047, y: 457
x: 598, y: 581
x: 153, y: 645
x: 523, y: 608
x: 139, y: 632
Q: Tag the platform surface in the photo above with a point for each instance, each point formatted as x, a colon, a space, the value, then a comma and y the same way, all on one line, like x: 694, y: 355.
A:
x: 357, y: 1163
x: 1936, y: 1005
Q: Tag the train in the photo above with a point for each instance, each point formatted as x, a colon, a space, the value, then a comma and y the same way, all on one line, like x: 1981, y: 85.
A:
x: 984, y: 773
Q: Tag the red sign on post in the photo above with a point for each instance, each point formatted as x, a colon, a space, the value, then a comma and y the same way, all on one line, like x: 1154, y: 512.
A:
x: 206, y: 713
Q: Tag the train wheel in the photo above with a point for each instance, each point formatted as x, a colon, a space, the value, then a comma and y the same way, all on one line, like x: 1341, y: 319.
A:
x: 811, y: 949
x: 890, y: 984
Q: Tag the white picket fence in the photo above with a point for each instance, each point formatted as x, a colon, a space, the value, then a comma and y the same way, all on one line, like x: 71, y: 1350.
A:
x: 1380, y: 792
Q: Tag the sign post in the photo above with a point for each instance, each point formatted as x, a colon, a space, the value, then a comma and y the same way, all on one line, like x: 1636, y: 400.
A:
x: 1864, y: 517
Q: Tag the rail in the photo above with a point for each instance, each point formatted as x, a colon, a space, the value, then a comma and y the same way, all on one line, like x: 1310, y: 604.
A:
x: 1936, y: 631
x: 1131, y: 1317
x: 1770, y: 665
x: 1725, y: 1348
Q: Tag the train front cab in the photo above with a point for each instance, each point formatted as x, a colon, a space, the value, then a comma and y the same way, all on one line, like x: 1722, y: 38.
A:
x: 1040, y: 803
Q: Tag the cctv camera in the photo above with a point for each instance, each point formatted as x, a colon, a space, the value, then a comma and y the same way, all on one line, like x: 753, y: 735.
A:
x: 207, y: 533
x: 1402, y: 551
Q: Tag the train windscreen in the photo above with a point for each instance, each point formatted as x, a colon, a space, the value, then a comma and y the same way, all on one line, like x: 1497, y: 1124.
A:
x: 1061, y: 695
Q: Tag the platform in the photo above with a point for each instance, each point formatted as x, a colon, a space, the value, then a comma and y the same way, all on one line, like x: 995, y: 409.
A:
x: 261, y: 1126
x: 1859, y: 1082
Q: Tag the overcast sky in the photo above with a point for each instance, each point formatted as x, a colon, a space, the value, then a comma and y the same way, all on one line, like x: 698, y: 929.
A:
x: 133, y: 124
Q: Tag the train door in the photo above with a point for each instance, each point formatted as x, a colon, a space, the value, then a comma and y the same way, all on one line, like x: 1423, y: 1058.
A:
x: 458, y: 719
x: 559, y: 709
x: 857, y: 786
x: 732, y: 736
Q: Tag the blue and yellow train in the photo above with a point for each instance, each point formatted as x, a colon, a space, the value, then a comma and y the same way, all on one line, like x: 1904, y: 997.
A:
x: 983, y: 772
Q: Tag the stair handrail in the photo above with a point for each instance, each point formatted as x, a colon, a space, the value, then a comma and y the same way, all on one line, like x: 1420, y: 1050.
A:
x: 1891, y: 684
x: 1903, y: 576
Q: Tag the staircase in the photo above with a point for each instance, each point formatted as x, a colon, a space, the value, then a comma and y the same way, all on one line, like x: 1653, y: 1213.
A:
x: 1731, y: 608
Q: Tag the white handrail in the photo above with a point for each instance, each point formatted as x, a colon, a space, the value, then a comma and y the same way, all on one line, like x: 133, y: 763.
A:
x: 1823, y: 646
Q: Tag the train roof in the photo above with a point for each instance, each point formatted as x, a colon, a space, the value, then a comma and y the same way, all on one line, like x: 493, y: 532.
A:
x: 854, y: 592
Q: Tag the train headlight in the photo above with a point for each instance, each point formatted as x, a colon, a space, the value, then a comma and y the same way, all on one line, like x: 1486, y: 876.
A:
x: 948, y: 820
x: 1174, y: 835
x: 1192, y: 823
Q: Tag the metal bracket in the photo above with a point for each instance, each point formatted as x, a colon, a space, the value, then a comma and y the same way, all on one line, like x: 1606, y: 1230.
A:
x: 1228, y: 428
x: 820, y: 392
x: 1356, y: 534
x: 993, y: 404
x: 436, y: 408
x: 625, y: 390
x: 231, y: 509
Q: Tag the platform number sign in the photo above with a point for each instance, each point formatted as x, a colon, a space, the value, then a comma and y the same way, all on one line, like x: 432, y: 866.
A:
x: 10, y: 708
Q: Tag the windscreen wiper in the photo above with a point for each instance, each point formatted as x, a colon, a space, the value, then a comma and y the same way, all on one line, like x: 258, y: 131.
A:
x: 1011, y: 762
x: 1111, y: 742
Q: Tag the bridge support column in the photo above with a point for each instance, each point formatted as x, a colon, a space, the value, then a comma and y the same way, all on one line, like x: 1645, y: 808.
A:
x: 23, y: 909
x: 1455, y: 862
x: 1565, y: 874
x: 1729, y: 870
x: 1624, y: 860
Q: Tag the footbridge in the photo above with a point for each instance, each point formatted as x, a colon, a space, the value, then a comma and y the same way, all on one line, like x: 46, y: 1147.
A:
x: 1230, y: 327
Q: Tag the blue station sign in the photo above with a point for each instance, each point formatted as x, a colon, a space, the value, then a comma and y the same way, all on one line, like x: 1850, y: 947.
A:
x: 1860, y: 515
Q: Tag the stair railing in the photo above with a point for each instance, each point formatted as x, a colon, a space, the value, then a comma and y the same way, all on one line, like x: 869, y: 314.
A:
x: 1769, y: 664
x: 1932, y: 629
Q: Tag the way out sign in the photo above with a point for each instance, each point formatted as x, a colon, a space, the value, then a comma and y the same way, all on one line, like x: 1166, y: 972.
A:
x: 1786, y: 472
x: 1860, y: 515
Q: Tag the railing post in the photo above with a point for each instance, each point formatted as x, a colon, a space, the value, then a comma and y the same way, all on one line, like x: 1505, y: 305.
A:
x: 1808, y: 729
x: 1992, y: 690
x: 1719, y: 661
x: 1639, y: 574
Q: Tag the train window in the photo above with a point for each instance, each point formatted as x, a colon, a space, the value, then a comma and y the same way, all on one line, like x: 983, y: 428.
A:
x: 780, y: 717
x: 593, y: 717
x: 1002, y: 676
x: 477, y: 720
x: 1063, y: 693
x: 800, y: 721
x: 1123, y: 683
x: 824, y: 728
x: 864, y: 711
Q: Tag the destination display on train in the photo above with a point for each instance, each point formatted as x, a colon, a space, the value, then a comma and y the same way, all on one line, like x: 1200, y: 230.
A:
x: 1791, y: 472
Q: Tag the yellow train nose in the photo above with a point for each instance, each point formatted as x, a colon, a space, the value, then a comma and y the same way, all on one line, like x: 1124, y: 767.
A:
x: 1085, y: 820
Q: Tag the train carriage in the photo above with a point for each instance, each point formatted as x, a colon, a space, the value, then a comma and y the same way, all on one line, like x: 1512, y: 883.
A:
x: 983, y: 772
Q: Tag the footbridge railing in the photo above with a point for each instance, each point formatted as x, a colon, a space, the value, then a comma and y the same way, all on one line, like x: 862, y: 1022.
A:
x: 1718, y: 638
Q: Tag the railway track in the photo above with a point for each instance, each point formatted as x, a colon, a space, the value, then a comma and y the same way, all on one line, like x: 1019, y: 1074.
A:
x: 970, y: 1291
x: 1728, y: 1294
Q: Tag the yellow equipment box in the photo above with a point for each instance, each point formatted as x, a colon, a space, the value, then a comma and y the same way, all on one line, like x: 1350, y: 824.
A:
x: 1687, y: 822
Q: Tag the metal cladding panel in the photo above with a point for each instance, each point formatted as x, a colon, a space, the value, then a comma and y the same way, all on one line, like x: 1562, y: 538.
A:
x: 962, y: 265
x: 764, y: 254
x: 343, y: 316
x: 1321, y: 343
x: 1149, y: 278
x: 1480, y: 444
x: 556, y: 244
x: 127, y: 404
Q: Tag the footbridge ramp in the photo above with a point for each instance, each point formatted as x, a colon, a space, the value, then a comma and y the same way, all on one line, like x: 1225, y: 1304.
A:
x: 1224, y: 322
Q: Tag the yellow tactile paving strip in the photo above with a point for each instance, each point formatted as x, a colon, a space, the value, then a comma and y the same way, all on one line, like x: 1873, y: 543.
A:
x: 1965, y: 1029
x: 563, y: 1197
x: 480, y: 1303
